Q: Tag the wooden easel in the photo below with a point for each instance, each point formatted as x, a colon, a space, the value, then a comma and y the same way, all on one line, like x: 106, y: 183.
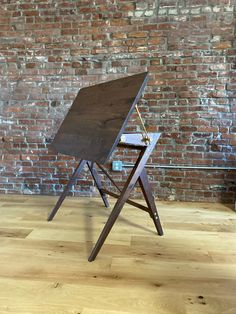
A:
x: 138, y: 173
x: 91, y: 131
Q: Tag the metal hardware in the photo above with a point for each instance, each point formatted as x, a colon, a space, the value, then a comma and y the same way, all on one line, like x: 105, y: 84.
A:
x: 146, y: 137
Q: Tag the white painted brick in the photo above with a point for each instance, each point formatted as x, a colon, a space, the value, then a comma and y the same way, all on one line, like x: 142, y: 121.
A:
x: 138, y: 13
x: 173, y: 11
x: 216, y: 9
x: 148, y: 13
x: 162, y: 11
x: 195, y: 11
x: 207, y: 9
x: 229, y: 9
x: 184, y: 11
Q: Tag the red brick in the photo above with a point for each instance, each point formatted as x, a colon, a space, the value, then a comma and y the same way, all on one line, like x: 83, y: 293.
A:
x: 142, y: 34
x: 31, y: 13
x: 189, y: 98
x: 69, y: 31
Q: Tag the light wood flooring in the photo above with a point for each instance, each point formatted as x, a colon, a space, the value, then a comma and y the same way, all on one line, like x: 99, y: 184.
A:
x: 44, y: 267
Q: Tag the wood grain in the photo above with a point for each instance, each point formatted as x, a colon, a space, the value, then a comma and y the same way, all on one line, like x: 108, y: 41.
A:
x: 97, y: 118
x: 44, y: 268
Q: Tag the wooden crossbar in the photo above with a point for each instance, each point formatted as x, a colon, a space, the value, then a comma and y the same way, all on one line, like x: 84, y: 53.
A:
x: 138, y: 174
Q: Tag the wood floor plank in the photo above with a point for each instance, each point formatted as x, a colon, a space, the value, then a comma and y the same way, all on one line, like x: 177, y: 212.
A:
x: 15, y: 233
x: 57, y: 297
x: 44, y: 268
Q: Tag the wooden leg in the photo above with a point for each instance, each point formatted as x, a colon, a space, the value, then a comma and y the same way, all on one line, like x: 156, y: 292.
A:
x: 147, y: 192
x: 67, y: 188
x: 129, y: 185
x: 98, y: 182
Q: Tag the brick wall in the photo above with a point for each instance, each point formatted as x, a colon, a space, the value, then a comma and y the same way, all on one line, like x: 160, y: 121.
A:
x: 49, y: 49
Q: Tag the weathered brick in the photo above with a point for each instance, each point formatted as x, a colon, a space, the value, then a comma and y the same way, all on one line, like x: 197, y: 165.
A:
x: 45, y: 57
x: 222, y: 45
x: 69, y: 31
x: 138, y: 34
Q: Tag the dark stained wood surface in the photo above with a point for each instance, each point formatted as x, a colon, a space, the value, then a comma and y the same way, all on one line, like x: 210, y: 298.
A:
x: 97, y: 118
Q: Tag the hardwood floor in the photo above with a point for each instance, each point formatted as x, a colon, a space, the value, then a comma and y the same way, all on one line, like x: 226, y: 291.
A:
x: 44, y: 268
